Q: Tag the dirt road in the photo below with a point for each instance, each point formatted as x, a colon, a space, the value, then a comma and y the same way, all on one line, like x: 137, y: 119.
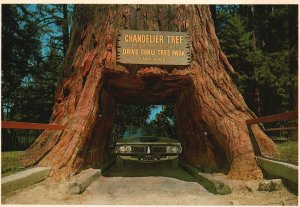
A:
x: 149, y: 184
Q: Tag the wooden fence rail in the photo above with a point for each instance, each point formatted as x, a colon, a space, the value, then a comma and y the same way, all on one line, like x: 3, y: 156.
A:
x: 26, y: 125
x: 281, y: 129
x: 276, y: 131
x: 273, y: 118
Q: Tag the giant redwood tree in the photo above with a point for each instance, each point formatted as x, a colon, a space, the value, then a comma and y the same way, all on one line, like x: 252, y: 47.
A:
x: 209, y: 109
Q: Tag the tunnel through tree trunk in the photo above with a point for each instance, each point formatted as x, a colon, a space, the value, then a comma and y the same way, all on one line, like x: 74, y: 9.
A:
x: 209, y: 101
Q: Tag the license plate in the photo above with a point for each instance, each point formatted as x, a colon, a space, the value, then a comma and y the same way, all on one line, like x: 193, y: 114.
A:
x: 148, y: 158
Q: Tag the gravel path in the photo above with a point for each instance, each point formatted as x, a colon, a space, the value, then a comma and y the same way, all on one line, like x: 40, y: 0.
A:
x: 149, y: 184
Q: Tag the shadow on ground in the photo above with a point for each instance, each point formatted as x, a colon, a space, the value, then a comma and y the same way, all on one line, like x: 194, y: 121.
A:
x: 134, y: 169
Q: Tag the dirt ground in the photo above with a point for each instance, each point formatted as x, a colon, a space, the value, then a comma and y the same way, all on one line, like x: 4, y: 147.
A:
x: 149, y: 185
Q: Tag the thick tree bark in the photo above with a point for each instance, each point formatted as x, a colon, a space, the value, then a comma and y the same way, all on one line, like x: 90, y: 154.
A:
x: 210, y: 111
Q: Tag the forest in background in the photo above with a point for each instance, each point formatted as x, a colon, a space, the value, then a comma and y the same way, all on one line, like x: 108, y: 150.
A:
x: 260, y: 41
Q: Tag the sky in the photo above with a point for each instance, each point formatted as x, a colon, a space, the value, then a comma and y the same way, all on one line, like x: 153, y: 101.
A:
x: 54, y: 29
x: 154, y: 111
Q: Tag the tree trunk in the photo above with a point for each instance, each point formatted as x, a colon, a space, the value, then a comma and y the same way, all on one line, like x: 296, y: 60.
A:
x: 65, y: 29
x: 210, y: 111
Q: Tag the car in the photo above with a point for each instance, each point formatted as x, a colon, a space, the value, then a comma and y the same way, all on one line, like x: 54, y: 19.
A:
x: 147, y: 145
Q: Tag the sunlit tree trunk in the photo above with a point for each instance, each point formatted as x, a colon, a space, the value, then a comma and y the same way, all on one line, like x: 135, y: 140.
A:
x: 210, y: 111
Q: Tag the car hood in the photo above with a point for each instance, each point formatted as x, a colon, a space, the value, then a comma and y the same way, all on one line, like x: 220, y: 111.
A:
x: 147, y: 140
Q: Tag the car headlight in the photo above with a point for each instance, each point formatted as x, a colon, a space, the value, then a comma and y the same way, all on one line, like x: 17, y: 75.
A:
x: 122, y: 149
x: 128, y: 148
x: 173, y: 149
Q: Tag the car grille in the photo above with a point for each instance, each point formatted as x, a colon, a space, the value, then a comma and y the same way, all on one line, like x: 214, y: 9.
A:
x: 158, y: 149
x: 143, y: 149
x: 138, y: 149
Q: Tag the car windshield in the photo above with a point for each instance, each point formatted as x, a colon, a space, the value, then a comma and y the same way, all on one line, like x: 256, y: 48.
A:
x: 143, y: 132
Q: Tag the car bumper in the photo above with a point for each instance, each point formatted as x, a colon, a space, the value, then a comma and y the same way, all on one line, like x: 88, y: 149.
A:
x: 148, y: 158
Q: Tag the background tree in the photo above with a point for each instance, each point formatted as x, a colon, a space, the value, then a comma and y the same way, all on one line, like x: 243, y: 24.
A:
x: 54, y: 22
x: 130, y: 115
x: 34, y: 42
x: 165, y: 120
x: 259, y: 41
x: 20, y: 57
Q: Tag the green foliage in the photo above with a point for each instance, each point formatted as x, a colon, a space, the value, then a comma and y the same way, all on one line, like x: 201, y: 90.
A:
x: 42, y: 90
x: 234, y: 36
x: 54, y: 20
x: 20, y: 55
x: 165, y: 120
x: 130, y: 115
x: 259, y: 42
x: 136, y: 115
x: 34, y: 40
x: 235, y: 41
